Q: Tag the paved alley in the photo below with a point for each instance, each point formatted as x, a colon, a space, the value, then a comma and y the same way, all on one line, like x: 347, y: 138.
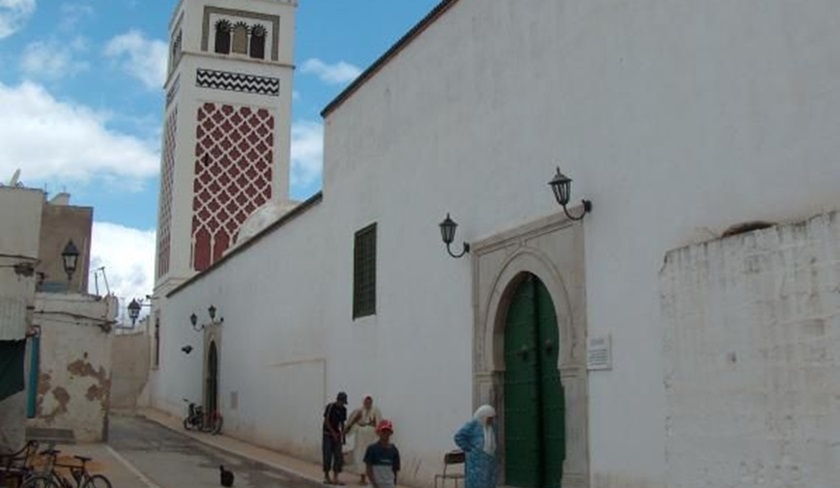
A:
x: 172, y: 460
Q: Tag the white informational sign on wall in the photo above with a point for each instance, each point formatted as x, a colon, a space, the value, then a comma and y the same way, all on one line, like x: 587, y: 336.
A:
x: 599, y: 352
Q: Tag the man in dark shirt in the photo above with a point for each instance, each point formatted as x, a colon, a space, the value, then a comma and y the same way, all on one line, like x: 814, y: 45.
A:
x: 334, y: 417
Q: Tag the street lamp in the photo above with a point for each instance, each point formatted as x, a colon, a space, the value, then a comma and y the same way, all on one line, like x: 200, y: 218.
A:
x: 562, y: 187
x: 70, y: 258
x: 447, y: 233
x: 134, y: 310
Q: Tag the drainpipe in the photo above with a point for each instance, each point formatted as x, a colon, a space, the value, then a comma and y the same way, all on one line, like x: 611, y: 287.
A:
x: 34, y: 360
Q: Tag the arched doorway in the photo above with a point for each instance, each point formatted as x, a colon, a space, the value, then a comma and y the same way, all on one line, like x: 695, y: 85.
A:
x: 534, y: 403
x: 211, y: 399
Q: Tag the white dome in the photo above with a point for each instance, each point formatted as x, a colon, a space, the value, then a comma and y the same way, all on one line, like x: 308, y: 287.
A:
x: 262, y: 218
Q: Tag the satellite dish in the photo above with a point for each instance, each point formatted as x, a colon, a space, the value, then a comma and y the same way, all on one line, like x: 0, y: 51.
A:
x: 15, y: 177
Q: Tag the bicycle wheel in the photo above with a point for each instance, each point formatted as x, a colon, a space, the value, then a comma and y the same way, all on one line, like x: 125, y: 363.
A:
x: 39, y: 481
x: 97, y: 481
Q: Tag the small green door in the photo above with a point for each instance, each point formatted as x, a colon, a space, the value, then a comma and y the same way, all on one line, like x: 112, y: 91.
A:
x: 534, y: 403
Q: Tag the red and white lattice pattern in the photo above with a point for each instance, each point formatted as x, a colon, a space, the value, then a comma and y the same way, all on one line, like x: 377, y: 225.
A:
x: 234, y: 152
x: 165, y: 211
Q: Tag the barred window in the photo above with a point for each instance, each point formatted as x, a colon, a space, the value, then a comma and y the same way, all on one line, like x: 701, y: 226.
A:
x: 364, y: 272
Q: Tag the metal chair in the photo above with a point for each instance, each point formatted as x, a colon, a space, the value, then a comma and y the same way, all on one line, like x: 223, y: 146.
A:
x: 449, y: 459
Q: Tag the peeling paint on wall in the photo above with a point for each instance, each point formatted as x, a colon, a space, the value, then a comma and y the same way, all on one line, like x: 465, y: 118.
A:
x: 74, y: 386
x: 57, y: 407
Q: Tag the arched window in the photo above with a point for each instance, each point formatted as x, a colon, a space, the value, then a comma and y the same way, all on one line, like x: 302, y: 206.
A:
x: 258, y: 35
x: 240, y: 38
x: 223, y: 29
x: 176, y: 50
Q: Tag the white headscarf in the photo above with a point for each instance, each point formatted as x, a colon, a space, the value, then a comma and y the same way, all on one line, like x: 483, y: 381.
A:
x: 481, y: 415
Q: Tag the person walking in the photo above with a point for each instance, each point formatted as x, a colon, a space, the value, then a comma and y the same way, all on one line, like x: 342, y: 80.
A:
x: 382, y: 458
x: 362, y: 426
x: 477, y: 438
x: 335, y: 414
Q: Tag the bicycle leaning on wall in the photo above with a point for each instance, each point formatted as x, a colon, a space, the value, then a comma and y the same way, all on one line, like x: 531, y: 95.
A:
x: 81, y: 477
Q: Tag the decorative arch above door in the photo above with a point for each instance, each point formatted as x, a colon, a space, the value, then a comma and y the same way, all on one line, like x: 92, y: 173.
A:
x: 550, y: 253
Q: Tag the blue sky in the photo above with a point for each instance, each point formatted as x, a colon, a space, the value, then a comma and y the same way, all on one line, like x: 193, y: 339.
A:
x: 81, y: 98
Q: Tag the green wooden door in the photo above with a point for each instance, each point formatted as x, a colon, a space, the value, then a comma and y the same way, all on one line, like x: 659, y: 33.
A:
x: 522, y: 413
x: 552, y: 401
x: 534, y: 404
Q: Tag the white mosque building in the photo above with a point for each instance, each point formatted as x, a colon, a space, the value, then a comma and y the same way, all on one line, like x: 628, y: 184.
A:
x: 684, y: 333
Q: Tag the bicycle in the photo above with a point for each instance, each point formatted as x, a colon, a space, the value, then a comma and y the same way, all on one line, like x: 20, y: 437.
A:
x: 16, y: 469
x: 214, y: 423
x: 79, y: 472
x: 201, y: 421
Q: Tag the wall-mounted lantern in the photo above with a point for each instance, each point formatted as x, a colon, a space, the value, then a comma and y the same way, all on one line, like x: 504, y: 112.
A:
x: 447, y: 233
x: 194, y: 323
x: 562, y: 187
x: 211, y: 311
x: 70, y: 258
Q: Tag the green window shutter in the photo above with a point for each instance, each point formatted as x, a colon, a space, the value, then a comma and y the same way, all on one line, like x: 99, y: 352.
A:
x: 364, y: 272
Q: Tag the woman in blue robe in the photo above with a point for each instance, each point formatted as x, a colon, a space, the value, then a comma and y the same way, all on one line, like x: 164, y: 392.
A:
x: 477, y: 438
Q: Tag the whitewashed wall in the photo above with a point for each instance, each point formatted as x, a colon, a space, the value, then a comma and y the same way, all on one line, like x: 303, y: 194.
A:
x: 676, y: 118
x: 272, y: 350
x: 752, y: 356
x: 131, y: 356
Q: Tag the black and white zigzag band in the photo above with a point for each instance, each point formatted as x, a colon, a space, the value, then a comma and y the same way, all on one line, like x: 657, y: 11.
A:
x: 224, y: 80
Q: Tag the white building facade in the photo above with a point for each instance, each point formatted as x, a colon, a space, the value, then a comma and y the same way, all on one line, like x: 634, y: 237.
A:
x: 676, y: 119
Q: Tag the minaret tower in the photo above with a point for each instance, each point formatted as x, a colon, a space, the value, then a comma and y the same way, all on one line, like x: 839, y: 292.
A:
x: 226, y: 130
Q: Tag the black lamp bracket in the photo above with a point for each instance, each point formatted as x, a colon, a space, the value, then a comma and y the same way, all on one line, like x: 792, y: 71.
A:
x: 587, y: 207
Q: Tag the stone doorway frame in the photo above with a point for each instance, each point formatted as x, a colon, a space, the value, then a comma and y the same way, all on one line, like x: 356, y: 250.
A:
x: 552, y: 249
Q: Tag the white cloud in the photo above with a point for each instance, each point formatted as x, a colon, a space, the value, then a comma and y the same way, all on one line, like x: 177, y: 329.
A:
x: 142, y: 58
x: 334, y: 74
x: 307, y: 152
x: 13, y: 14
x: 128, y: 256
x: 46, y: 137
x: 52, y: 59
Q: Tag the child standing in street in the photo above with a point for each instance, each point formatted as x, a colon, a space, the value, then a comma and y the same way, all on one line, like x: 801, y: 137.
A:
x: 382, y: 459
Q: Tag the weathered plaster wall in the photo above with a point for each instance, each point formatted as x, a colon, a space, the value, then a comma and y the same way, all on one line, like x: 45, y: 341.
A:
x: 130, y: 358
x: 752, y: 358
x: 74, y: 380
